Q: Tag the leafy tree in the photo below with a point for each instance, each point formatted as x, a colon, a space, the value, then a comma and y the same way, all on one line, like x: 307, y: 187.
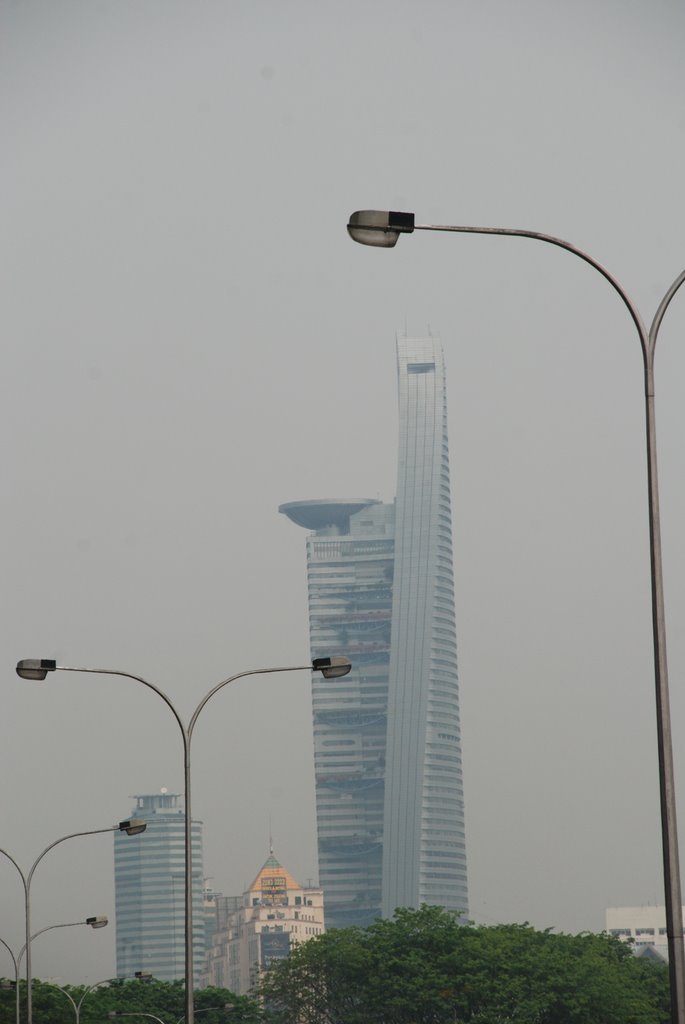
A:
x: 163, y: 999
x: 424, y: 967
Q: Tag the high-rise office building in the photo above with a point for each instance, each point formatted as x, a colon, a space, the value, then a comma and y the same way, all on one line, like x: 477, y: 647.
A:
x: 149, y: 881
x: 350, y: 567
x: 387, y: 748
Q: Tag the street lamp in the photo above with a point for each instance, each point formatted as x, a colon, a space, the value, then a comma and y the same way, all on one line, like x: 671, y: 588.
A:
x: 330, y: 668
x: 132, y: 827
x: 90, y: 988
x: 383, y: 228
x: 100, y: 921
x: 205, y: 1009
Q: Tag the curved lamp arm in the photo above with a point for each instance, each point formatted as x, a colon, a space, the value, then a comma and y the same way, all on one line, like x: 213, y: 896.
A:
x: 70, y: 998
x: 73, y: 835
x: 50, y: 928
x: 561, y: 244
x: 663, y: 306
x: 126, y: 675
x: 113, y: 1014
x: 14, y: 959
x: 13, y: 861
x: 232, y: 679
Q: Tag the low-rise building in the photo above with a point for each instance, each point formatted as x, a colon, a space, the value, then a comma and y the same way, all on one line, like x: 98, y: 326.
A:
x: 643, y: 927
x: 273, y: 914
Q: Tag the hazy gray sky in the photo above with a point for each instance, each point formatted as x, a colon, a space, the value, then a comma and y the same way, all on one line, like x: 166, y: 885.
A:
x: 190, y: 339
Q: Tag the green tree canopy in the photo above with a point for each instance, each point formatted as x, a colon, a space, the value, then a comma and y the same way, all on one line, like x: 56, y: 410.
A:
x: 163, y: 999
x: 424, y: 967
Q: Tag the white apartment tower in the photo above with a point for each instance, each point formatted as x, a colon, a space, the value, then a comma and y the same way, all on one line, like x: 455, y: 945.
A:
x: 389, y: 790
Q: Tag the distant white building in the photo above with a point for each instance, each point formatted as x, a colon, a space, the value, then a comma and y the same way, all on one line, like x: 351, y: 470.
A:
x: 261, y: 926
x: 643, y: 927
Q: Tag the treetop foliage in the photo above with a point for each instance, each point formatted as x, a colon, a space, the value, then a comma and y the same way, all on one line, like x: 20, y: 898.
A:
x: 420, y: 967
x: 51, y: 1003
x: 424, y: 967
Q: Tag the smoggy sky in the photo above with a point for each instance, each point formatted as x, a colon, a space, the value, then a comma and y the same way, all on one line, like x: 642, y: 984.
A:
x: 191, y: 339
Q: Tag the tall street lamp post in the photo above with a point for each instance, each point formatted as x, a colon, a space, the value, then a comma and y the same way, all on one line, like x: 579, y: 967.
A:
x: 383, y: 228
x: 330, y: 668
x: 133, y: 827
x: 95, y: 922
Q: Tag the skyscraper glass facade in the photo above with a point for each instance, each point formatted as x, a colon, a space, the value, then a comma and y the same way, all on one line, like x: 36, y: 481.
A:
x: 387, y: 749
x: 149, y: 880
x: 349, y: 571
x: 424, y: 854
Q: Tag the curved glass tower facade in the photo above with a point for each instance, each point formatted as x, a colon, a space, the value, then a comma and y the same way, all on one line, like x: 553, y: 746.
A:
x: 424, y: 853
x: 387, y: 749
x: 150, y: 892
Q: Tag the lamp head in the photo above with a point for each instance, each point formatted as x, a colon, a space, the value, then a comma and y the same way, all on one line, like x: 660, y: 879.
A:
x: 379, y: 227
x: 35, y: 668
x: 101, y: 921
x: 332, y: 668
x: 133, y: 827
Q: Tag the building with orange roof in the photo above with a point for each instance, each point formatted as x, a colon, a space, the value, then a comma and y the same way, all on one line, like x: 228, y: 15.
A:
x: 272, y: 915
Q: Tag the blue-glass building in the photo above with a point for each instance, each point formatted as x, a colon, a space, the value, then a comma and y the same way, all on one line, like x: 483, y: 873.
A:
x: 149, y: 882
x: 389, y: 791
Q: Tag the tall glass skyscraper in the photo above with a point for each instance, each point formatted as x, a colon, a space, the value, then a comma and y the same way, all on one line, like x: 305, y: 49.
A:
x: 149, y: 884
x: 387, y: 748
x: 424, y: 854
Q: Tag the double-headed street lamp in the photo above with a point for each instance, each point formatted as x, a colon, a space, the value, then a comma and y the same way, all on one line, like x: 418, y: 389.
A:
x: 132, y: 827
x: 383, y: 228
x: 76, y: 1006
x: 330, y: 668
x: 100, y: 921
